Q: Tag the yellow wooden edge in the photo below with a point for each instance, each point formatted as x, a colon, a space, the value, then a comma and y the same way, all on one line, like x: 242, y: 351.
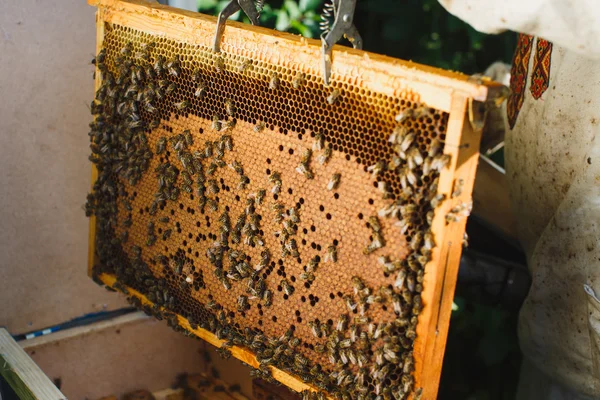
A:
x: 462, y: 143
x: 97, y: 83
x: 196, y: 28
x: 240, y: 353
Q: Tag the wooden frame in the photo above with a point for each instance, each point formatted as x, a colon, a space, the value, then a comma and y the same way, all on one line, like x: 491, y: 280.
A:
x: 22, y: 374
x: 446, y: 91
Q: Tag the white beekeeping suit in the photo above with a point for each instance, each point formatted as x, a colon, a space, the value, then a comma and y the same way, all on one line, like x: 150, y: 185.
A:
x: 553, y: 167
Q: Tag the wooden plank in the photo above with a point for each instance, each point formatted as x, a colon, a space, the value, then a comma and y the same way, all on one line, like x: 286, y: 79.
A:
x: 440, y: 275
x: 491, y: 200
x: 22, y: 374
x: 116, y: 358
x: 43, y: 239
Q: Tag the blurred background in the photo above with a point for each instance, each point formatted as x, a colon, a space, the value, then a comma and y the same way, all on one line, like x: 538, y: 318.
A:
x: 482, y: 358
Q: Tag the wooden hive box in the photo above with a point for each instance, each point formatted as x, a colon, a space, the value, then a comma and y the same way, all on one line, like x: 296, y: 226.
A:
x: 216, y: 203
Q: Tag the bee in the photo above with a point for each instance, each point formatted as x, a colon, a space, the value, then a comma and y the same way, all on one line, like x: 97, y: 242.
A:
x: 126, y: 50
x: 357, y: 284
x: 341, y: 326
x: 182, y: 105
x: 136, y: 250
x: 384, y: 188
x: 398, y: 135
x: 457, y: 212
x: 287, y: 288
x: 407, y: 178
x: 212, y: 204
x: 440, y: 162
x: 154, y: 123
x: 244, y: 181
x: 171, y: 88
x: 414, y: 158
x: 268, y: 298
x: 244, y: 66
x: 298, y: 80
x: 274, y: 82
x: 350, y: 303
x: 275, y: 178
x: 435, y: 148
x: 260, y: 196
x: 377, y: 168
x: 312, y: 264
x: 176, y: 265
x: 237, y: 167
x: 407, y: 141
x: 220, y: 64
x: 428, y: 242
x: 259, y: 127
x: 303, y: 169
x: 334, y: 182
x: 314, y: 327
x: 307, y: 276
x: 227, y: 142
x: 242, y: 303
x: 213, y: 186
x: 404, y: 115
x: 230, y: 107
x: 333, y: 97
x: 331, y: 255
x: 325, y: 156
x: 374, y: 224
x: 377, y: 243
x: 185, y: 176
x: 216, y: 123
x: 189, y: 140
x: 200, y: 89
x: 173, y: 67
x: 167, y: 234
x: 411, y: 333
x: 458, y: 186
x: 319, y: 142
x: 417, y: 303
x: 361, y: 320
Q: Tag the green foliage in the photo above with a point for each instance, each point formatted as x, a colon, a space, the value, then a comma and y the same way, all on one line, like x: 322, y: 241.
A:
x: 423, y: 31
x: 418, y: 30
x: 482, y: 357
x: 294, y: 16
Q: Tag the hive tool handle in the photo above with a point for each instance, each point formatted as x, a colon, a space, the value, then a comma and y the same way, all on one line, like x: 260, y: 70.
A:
x: 342, y: 26
x: 247, y: 6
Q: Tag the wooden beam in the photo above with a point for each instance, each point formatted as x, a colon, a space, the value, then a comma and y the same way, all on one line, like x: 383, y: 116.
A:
x: 22, y: 374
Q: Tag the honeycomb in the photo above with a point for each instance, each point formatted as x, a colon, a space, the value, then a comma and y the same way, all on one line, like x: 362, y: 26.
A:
x: 284, y: 216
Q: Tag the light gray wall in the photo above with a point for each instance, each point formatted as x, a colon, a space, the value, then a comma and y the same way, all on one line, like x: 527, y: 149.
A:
x: 45, y: 88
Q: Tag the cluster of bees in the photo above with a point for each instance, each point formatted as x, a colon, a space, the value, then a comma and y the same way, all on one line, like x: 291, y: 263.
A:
x: 368, y: 359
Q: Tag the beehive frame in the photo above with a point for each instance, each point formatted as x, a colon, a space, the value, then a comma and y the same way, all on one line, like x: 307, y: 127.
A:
x: 389, y: 84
